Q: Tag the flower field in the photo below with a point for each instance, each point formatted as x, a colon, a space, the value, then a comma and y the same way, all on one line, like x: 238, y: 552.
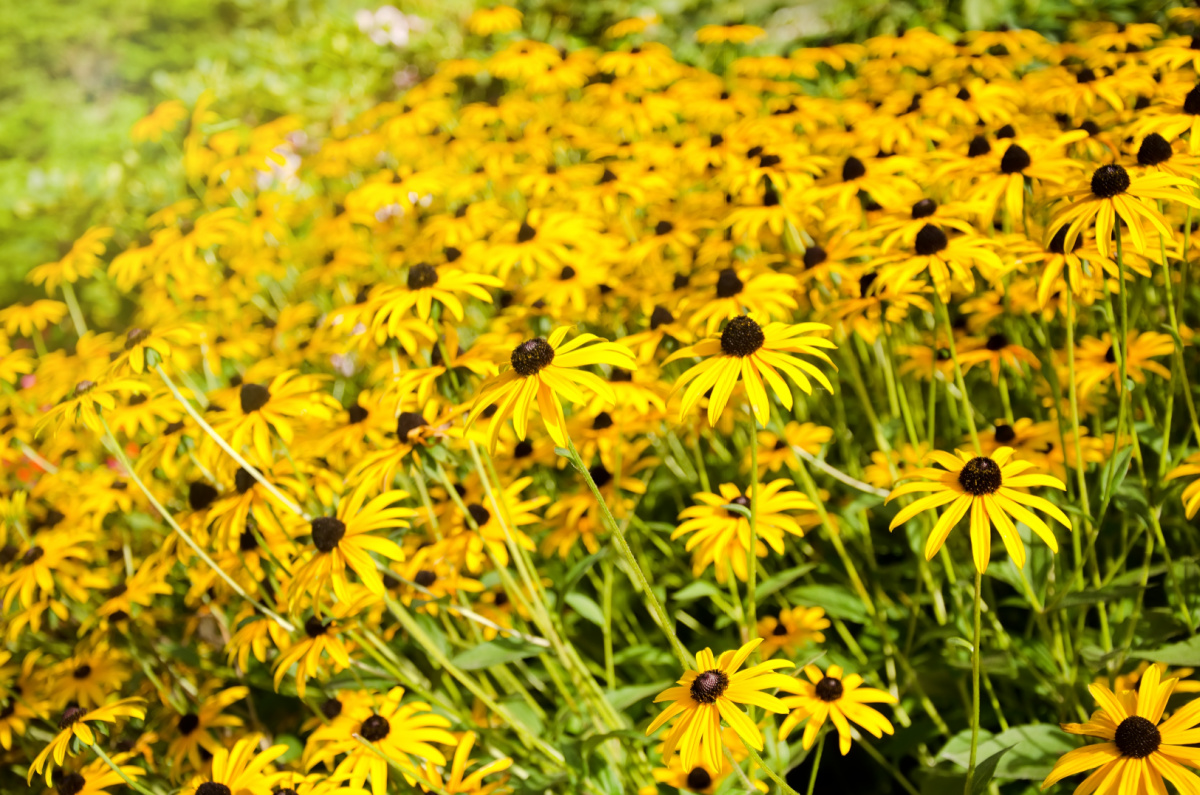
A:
x: 592, y: 420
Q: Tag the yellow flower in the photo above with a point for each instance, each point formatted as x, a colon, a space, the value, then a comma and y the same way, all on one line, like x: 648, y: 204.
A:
x: 27, y: 318
x: 1191, y: 493
x: 424, y: 284
x: 86, y: 401
x: 239, y: 770
x: 499, y: 19
x: 711, y: 693
x: 1140, y: 749
x: 792, y: 629
x: 987, y: 486
x: 73, y: 725
x: 544, y: 369
x: 345, y: 540
x: 754, y: 354
x: 164, y: 118
x: 457, y: 782
x: 79, y: 263
x: 835, y: 697
x: 732, y: 34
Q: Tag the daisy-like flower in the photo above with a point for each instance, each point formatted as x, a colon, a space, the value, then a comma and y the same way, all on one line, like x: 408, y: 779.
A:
x: 239, y: 770
x: 457, y: 781
x: 97, y: 778
x: 32, y: 317
x: 164, y: 118
x: 721, y: 536
x: 1139, y: 750
x: 398, y: 730
x: 498, y: 19
x: 792, y: 629
x: 425, y: 284
x: 545, y: 369
x: 194, y: 730
x: 711, y: 693
x: 729, y: 34
x: 1113, y: 195
x: 996, y: 350
x: 947, y: 260
x: 1191, y: 492
x: 836, y: 697
x: 756, y: 355
x: 988, y: 487
x: 346, y: 540
x: 1096, y: 361
x: 320, y: 637
x: 79, y: 263
x: 73, y: 725
x: 86, y: 401
x: 145, y: 348
x: 276, y: 406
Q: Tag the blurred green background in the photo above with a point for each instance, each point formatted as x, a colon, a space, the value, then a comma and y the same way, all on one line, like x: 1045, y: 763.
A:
x: 76, y: 74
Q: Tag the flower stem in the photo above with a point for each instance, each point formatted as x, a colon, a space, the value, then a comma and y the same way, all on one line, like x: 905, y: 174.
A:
x: 958, y: 376
x: 752, y: 547
x: 812, y: 777
x: 117, y: 769
x: 976, y: 654
x: 191, y: 542
x: 73, y: 306
x: 784, y: 789
x: 656, y: 608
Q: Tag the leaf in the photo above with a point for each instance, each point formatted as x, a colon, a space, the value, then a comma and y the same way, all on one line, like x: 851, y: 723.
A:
x: 782, y: 580
x: 295, y: 747
x: 1185, y: 653
x: 495, y: 652
x: 586, y: 607
x: 838, y: 602
x: 1089, y: 597
x: 629, y: 734
x: 695, y: 590
x: 624, y: 697
x: 1032, y: 749
x: 985, y: 770
x: 521, y: 712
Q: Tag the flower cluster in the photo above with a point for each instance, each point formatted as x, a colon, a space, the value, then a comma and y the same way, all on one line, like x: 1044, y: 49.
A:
x: 423, y: 438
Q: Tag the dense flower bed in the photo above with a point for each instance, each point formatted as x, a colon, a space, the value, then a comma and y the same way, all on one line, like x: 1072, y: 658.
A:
x: 438, y: 447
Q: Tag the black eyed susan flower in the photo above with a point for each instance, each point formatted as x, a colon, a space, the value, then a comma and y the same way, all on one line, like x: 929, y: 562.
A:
x: 320, y: 637
x: 720, y: 537
x: 756, y: 355
x: 1140, y: 748
x: 835, y: 697
x: 458, y: 781
x: 347, y: 539
x: 792, y: 629
x: 987, y: 486
x: 389, y: 306
x: 241, y: 770
x: 996, y: 350
x: 1096, y: 361
x: 73, y: 725
x: 1191, y: 492
x: 543, y: 369
x: 946, y: 259
x: 86, y: 401
x: 1112, y: 195
x: 497, y: 19
x: 193, y: 731
x: 711, y: 694
x: 277, y: 407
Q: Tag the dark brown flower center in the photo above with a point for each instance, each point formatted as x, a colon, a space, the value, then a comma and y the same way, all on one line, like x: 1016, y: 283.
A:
x: 980, y: 476
x: 660, y: 316
x: 664, y: 228
x: 331, y: 708
x: 1154, y: 150
x: 814, y: 255
x: 1015, y: 160
x: 779, y: 630
x: 82, y: 672
x: 728, y: 284
x: 243, y: 481
x: 600, y: 475
x: 532, y: 356
x: 327, y: 531
x: 924, y: 208
x: 425, y: 578
x: 742, y: 336
x: 254, y: 397
x: 526, y: 233
x: 407, y: 422
x: 200, y: 495
x: 71, y: 715
x: 930, y: 240
x: 1005, y: 434
x: 33, y: 555
x: 852, y: 169
x: 997, y: 342
x: 70, y: 784
x: 479, y: 514
x: 978, y: 147
x: 1109, y: 181
x: 315, y: 627
x: 1137, y: 737
x: 603, y: 420
x: 212, y: 788
x: 698, y: 779
x: 421, y: 276
x: 709, y: 686
x: 375, y: 728
x: 865, y: 282
x: 830, y: 689
x: 189, y: 723
x: 135, y: 337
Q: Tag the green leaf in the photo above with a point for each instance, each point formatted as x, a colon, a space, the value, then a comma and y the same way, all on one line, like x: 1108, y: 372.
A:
x: 782, y: 580
x: 838, y: 602
x: 295, y: 747
x: 1089, y: 597
x: 586, y: 607
x: 1032, y: 749
x: 984, y: 772
x: 624, y: 697
x: 495, y: 652
x: 1185, y: 653
x: 695, y: 590
x: 520, y: 710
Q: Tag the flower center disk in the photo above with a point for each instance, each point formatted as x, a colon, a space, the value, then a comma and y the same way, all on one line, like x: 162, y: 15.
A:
x: 830, y: 689
x: 1137, y: 737
x: 742, y: 336
x: 327, y: 531
x: 980, y: 476
x: 1109, y: 181
x: 709, y: 686
x: 532, y: 356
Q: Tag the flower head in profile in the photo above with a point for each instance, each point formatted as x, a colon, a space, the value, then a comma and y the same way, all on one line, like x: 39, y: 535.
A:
x: 836, y: 697
x: 711, y: 693
x: 497, y: 19
x: 87, y: 400
x: 1191, y: 493
x: 988, y: 487
x: 543, y: 369
x: 73, y: 725
x: 1140, y: 748
x: 729, y: 34
x: 458, y: 781
x: 757, y: 355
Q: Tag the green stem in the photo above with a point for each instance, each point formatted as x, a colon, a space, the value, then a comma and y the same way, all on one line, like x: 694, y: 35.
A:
x: 958, y: 376
x: 73, y: 306
x: 812, y: 777
x: 976, y: 654
x: 752, y: 548
x: 117, y: 769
